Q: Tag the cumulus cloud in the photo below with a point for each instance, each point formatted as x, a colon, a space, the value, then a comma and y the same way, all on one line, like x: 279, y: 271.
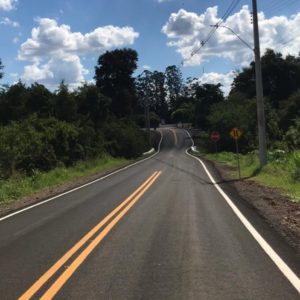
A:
x: 146, y: 67
x: 7, y: 21
x: 187, y: 30
x: 54, y: 51
x: 56, y: 69
x: 8, y: 4
x: 225, y: 79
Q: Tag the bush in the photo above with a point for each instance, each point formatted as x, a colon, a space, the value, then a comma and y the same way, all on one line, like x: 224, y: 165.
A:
x: 295, y: 166
x: 124, y: 139
x: 42, y: 144
x: 292, y: 137
x: 278, y: 156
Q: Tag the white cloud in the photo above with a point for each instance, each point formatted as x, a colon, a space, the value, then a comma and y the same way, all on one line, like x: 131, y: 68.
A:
x: 224, y: 79
x: 8, y: 4
x: 7, y: 21
x: 55, y: 51
x: 146, y: 67
x: 186, y: 30
x: 68, y: 68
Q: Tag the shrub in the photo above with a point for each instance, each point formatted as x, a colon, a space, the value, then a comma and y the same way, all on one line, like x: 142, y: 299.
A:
x: 295, y: 166
x: 124, y: 139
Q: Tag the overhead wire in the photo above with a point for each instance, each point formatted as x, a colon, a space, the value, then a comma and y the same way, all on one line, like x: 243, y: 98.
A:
x: 279, y: 5
x: 229, y: 10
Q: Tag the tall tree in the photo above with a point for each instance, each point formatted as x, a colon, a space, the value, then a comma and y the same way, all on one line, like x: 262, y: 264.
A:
x: 1, y: 68
x: 150, y: 88
x: 65, y: 106
x: 145, y: 88
x: 206, y: 95
x: 160, y: 105
x: 174, y: 85
x: 13, y: 103
x: 281, y: 77
x: 40, y: 100
x: 113, y: 76
x: 92, y: 104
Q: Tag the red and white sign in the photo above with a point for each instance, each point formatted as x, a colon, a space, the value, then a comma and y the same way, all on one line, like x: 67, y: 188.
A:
x: 215, y: 136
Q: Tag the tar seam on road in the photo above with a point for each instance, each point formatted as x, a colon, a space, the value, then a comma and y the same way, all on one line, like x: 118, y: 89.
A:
x: 110, y: 221
x: 175, y: 137
x: 84, y: 185
x: 278, y: 261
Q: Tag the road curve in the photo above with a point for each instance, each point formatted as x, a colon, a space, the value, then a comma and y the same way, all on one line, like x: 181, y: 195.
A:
x: 157, y: 230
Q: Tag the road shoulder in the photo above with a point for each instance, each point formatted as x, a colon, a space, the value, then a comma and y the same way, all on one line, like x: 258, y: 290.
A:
x: 276, y: 209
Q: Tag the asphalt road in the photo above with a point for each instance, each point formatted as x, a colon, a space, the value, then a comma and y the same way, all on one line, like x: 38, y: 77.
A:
x: 175, y: 237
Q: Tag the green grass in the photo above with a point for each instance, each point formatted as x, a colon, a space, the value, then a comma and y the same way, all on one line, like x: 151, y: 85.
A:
x: 277, y: 173
x: 21, y: 186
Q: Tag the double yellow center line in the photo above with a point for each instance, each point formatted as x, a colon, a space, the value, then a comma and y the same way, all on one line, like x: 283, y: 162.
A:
x: 110, y: 221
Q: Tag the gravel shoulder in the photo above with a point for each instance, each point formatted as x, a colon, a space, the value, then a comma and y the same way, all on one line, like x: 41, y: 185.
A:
x: 277, y: 209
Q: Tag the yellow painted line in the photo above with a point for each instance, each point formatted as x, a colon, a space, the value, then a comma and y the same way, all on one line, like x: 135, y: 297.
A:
x: 175, y: 136
x: 51, y: 271
x: 57, y: 285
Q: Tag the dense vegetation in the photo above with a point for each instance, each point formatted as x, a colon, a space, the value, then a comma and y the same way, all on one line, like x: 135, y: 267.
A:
x: 206, y: 107
x: 42, y: 129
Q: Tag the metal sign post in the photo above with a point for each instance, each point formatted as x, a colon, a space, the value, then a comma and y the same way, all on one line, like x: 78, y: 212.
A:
x: 236, y: 134
x: 215, y: 137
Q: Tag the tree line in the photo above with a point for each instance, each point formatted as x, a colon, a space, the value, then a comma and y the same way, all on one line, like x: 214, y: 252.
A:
x: 41, y: 129
x: 281, y: 83
x: 205, y: 106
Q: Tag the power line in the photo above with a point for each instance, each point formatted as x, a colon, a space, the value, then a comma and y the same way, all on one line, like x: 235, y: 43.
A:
x: 279, y: 5
x: 227, y: 13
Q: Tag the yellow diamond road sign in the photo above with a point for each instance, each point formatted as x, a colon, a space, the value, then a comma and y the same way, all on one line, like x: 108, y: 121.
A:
x: 235, y: 133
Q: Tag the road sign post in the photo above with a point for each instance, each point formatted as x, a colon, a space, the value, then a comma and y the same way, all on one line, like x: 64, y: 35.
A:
x: 236, y: 134
x: 215, y: 137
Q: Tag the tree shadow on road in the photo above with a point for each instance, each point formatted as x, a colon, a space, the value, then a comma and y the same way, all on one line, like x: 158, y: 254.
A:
x: 206, y: 182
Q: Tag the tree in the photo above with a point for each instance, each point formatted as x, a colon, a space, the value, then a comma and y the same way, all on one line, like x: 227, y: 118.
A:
x: 151, y: 91
x: 184, y: 114
x: 92, y: 104
x: 13, y: 103
x: 65, y: 106
x: 174, y: 85
x: 160, y: 105
x: 281, y: 77
x: 1, y: 68
x: 145, y: 88
x: 113, y: 76
x: 237, y: 111
x: 290, y: 111
x: 206, y: 95
x: 40, y: 100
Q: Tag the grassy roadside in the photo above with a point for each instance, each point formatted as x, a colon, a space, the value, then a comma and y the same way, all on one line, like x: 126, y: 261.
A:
x: 280, y: 172
x: 21, y: 186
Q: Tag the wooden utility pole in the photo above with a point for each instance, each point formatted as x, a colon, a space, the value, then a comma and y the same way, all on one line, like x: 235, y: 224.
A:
x: 259, y: 91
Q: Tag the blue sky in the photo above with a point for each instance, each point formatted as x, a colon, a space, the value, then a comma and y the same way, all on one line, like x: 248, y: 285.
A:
x: 70, y: 35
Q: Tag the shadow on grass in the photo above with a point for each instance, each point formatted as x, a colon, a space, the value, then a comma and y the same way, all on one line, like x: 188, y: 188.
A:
x: 255, y: 172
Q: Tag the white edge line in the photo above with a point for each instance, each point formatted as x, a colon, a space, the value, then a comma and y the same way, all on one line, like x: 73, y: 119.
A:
x: 278, y: 261
x: 84, y: 185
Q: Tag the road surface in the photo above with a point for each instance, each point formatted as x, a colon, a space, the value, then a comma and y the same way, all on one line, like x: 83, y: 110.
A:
x: 157, y: 230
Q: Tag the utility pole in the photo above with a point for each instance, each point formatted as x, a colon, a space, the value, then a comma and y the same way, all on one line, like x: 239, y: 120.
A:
x: 259, y: 91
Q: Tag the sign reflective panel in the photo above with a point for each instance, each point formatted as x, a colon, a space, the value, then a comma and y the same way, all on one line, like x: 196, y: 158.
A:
x: 215, y: 136
x: 235, y: 133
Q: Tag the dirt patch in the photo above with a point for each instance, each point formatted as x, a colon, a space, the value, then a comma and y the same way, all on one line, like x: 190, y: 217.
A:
x: 277, y: 209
